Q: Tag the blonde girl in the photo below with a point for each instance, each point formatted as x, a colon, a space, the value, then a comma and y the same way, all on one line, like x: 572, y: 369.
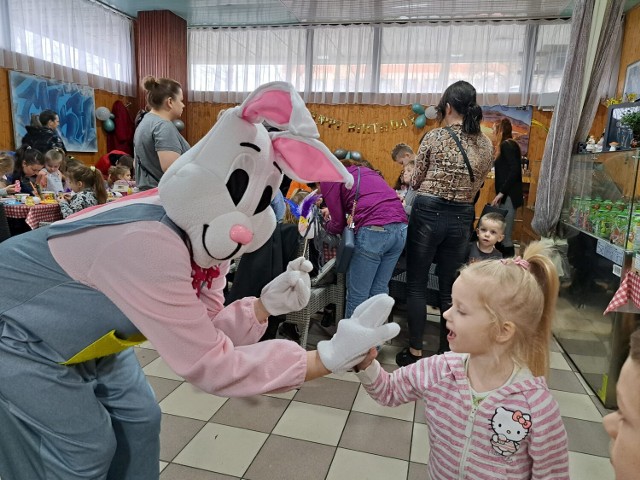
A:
x: 88, y: 189
x: 50, y: 177
x: 6, y: 167
x: 489, y: 411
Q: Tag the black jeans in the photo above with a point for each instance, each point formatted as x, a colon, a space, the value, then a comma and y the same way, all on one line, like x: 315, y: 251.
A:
x: 438, y: 231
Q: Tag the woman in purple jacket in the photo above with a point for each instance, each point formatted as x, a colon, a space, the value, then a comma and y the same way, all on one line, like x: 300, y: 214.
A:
x: 380, y: 227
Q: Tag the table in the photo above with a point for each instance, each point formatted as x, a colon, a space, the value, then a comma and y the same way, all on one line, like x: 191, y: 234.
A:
x: 34, y: 214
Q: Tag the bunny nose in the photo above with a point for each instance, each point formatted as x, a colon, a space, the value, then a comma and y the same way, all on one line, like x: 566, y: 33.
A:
x: 241, y: 234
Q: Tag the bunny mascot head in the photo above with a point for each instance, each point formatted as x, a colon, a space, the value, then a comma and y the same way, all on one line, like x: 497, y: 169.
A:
x: 219, y: 191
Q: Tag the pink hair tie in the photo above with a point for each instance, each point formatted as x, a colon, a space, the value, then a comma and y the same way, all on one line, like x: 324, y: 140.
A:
x: 521, y: 262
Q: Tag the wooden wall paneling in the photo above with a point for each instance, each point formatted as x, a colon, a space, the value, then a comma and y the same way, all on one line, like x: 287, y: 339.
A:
x: 630, y: 52
x: 6, y: 124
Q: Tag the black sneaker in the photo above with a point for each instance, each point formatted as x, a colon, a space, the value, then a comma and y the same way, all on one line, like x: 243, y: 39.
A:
x: 405, y: 357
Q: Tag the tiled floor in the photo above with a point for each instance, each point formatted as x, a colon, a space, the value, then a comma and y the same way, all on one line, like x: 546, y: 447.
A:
x: 330, y: 429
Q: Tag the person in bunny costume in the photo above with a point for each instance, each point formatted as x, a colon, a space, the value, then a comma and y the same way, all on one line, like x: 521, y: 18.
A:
x: 74, y: 402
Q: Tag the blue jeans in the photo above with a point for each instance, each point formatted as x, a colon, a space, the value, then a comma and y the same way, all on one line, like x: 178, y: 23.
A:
x: 374, y: 258
x: 438, y: 231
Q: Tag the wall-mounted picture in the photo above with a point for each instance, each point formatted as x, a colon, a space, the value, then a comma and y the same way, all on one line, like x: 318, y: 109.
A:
x: 520, y: 122
x: 74, y: 104
x: 632, y: 80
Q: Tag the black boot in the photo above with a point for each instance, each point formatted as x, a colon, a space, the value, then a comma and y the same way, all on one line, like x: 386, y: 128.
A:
x: 508, y: 252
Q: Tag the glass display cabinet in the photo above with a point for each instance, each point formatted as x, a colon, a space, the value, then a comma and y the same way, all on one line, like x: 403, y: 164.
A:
x: 601, y: 223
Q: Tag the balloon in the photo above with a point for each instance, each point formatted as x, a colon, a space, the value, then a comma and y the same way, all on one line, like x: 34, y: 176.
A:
x: 431, y: 112
x: 179, y: 124
x: 112, y: 116
x: 417, y: 108
x: 420, y: 121
x: 340, y: 153
x: 108, y: 125
x: 356, y: 156
x: 103, y: 113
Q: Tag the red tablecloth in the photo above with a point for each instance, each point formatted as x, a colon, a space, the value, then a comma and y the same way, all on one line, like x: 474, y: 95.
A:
x: 627, y: 298
x: 35, y: 214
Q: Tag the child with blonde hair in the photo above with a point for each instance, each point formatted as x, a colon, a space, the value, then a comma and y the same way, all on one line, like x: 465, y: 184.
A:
x: 50, y: 177
x: 6, y: 167
x: 88, y: 189
x: 488, y: 408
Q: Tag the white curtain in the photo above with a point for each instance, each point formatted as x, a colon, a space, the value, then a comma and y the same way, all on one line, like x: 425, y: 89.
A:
x: 74, y: 41
x: 508, y: 63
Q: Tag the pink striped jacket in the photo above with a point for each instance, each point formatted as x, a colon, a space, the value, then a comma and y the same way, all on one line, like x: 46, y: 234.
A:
x: 514, y: 433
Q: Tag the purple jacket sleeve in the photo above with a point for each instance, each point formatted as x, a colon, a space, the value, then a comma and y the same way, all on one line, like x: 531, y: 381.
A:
x: 331, y: 192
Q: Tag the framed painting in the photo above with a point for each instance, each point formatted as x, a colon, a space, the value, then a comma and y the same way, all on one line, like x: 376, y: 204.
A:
x: 632, y: 80
x: 520, y: 118
x: 74, y: 104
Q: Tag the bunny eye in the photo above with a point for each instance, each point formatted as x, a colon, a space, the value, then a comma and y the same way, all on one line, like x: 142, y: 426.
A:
x: 237, y: 185
x: 265, y: 200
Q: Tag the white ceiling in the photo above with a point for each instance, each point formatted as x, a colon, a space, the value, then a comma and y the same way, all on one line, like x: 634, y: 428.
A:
x: 290, y: 12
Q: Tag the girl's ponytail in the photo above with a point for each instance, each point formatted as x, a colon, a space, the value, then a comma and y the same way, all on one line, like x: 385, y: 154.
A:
x: 98, y: 185
x: 544, y: 271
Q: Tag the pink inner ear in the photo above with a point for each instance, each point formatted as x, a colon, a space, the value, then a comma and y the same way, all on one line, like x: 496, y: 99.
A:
x: 272, y: 105
x: 306, y: 161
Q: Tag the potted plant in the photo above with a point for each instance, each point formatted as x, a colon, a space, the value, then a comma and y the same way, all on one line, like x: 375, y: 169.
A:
x: 632, y: 120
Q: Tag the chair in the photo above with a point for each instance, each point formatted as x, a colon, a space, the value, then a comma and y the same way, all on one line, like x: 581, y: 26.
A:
x: 4, y: 225
x: 398, y: 287
x: 322, y: 295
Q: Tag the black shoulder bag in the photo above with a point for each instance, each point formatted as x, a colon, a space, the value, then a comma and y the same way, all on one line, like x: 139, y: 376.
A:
x: 348, y: 239
x: 464, y: 154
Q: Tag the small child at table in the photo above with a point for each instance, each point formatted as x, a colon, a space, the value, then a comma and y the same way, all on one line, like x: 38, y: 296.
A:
x: 29, y: 162
x: 88, y: 189
x: 6, y: 167
x: 50, y: 177
x: 127, y: 161
x: 118, y: 172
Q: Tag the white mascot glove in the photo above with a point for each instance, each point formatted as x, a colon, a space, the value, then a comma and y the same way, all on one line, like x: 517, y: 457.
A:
x: 289, y: 291
x: 356, y: 335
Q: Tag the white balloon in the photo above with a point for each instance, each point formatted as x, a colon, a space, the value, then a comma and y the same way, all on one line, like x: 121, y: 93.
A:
x: 103, y: 113
x: 431, y: 112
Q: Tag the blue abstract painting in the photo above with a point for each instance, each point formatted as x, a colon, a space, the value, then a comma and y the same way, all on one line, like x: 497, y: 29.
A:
x: 74, y: 104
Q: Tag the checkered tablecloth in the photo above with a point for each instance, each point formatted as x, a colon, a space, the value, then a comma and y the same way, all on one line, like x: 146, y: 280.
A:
x: 35, y: 214
x: 627, y: 298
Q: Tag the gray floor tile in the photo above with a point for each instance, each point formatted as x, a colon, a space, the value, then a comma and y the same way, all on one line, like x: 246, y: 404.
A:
x: 181, y: 472
x: 584, y: 347
x: 418, y: 415
x: 259, y: 413
x: 162, y: 386
x: 328, y: 392
x: 565, y: 381
x: 417, y: 471
x: 145, y: 355
x: 587, y: 437
x: 377, y: 435
x: 176, y: 433
x: 284, y: 458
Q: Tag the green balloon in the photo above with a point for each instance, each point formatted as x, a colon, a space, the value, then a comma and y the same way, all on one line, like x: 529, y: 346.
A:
x: 417, y: 108
x: 420, y: 121
x: 108, y: 125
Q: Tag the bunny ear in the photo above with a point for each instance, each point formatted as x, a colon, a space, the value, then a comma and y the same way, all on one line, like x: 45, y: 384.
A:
x: 280, y: 105
x: 308, y: 160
